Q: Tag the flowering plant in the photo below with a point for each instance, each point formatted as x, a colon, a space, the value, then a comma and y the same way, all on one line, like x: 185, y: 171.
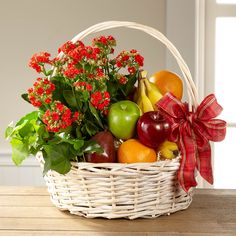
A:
x: 72, y: 98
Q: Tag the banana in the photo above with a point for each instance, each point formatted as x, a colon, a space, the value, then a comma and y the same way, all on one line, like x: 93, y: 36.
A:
x: 137, y: 95
x: 153, y: 93
x: 143, y: 74
x: 168, y: 150
x: 146, y: 103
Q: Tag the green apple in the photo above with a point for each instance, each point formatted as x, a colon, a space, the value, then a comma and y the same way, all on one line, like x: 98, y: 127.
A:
x: 122, y: 119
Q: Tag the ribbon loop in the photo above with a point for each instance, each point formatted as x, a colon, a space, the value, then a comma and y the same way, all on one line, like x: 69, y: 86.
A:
x: 192, y: 131
x: 209, y: 108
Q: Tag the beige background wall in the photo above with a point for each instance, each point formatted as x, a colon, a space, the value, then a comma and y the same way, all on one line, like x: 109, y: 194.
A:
x: 180, y: 30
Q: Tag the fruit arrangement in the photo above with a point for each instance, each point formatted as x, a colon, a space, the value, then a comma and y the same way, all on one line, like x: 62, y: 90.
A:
x: 139, y: 126
x: 92, y: 106
x: 140, y: 131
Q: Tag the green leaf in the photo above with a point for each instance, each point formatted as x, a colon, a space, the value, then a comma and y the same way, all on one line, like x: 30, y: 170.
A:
x: 42, y: 133
x: 112, y: 88
x: 70, y: 98
x: 9, y: 131
x: 24, y: 137
x: 30, y: 116
x: 78, y: 132
x: 90, y: 128
x: 85, y: 96
x: 60, y: 85
x: 35, y: 149
x: 25, y: 97
x: 66, y: 138
x: 49, y: 72
x: 17, y: 128
x: 92, y: 146
x: 59, y: 155
x: 54, y: 140
x: 78, y: 143
x: 95, y: 114
x: 27, y: 130
x: 19, y: 151
x: 129, y: 86
x: 47, y: 163
x: 32, y: 140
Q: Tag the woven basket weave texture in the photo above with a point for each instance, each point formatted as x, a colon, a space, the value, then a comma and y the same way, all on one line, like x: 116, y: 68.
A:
x: 119, y: 190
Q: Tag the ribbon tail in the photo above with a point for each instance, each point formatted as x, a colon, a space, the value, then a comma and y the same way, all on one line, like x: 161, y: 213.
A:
x: 186, y: 173
x: 204, y: 162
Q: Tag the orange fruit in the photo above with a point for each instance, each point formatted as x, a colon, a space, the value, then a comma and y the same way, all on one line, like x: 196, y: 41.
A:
x: 132, y: 151
x: 167, y: 81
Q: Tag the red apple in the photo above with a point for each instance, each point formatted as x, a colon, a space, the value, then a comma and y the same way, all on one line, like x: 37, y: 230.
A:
x: 152, y: 129
x: 106, y: 140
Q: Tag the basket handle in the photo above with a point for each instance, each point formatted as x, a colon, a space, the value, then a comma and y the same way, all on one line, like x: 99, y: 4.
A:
x: 191, y: 88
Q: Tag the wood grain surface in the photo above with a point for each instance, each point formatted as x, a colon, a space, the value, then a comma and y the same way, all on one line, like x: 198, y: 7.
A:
x: 28, y: 211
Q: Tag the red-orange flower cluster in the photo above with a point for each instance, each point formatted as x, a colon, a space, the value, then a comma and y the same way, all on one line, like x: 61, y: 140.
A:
x: 59, y: 117
x: 38, y: 60
x: 130, y: 59
x: 106, y: 43
x: 100, y: 100
x: 81, y: 85
x: 41, y: 92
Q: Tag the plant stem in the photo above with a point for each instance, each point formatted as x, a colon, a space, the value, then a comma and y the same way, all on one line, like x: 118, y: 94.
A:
x: 107, y: 66
x: 73, y: 91
x: 44, y: 71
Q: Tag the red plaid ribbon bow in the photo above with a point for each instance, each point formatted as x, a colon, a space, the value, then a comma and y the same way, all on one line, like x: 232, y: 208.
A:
x: 192, y: 131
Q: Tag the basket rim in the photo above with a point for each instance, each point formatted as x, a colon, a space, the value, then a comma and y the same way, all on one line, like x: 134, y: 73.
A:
x: 137, y: 165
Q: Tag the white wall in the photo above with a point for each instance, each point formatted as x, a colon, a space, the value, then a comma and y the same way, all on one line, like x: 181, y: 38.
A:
x: 29, y: 26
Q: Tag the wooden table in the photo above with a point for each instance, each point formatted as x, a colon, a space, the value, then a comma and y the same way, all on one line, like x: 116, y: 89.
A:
x: 28, y: 211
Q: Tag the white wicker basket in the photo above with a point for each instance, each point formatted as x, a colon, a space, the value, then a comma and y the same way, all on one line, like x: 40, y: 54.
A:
x: 114, y: 190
